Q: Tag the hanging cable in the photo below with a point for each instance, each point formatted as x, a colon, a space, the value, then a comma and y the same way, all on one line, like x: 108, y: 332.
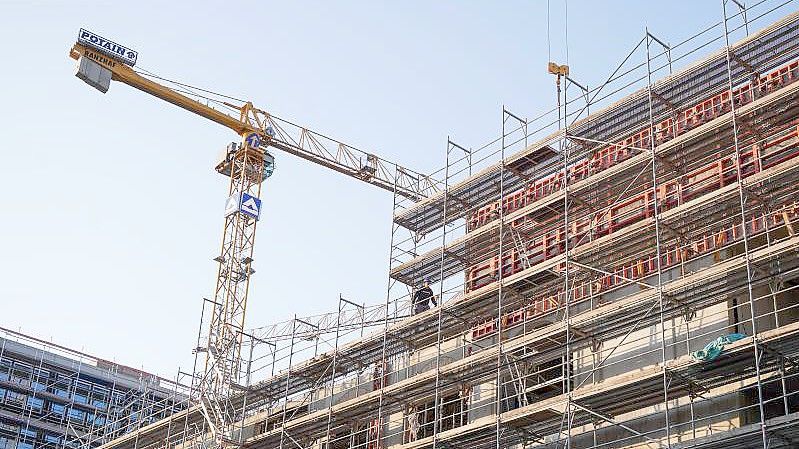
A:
x: 145, y: 72
x: 549, y: 48
x: 566, y: 27
x: 195, y: 92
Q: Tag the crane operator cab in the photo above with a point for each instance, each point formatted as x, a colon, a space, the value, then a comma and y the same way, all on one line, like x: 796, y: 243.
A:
x: 225, y: 161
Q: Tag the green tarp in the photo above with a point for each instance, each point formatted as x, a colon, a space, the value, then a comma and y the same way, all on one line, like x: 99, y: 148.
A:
x: 715, y: 347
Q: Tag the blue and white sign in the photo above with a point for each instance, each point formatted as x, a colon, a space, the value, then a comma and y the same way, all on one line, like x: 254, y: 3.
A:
x: 110, y: 48
x: 244, y: 203
x: 250, y: 205
x: 253, y: 140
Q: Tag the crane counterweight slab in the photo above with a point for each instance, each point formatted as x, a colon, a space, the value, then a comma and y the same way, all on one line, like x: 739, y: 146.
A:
x: 94, y: 74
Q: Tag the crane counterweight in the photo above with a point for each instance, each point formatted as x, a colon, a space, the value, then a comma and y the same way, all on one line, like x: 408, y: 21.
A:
x: 93, y: 74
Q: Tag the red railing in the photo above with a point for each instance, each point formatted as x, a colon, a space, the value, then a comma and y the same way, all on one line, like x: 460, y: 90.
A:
x: 670, y: 194
x: 641, y: 268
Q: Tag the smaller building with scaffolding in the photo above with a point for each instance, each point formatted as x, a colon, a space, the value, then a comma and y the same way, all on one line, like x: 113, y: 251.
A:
x: 55, y: 397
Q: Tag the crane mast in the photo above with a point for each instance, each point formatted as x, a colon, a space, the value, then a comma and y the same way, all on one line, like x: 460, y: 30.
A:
x: 248, y: 168
x: 247, y: 164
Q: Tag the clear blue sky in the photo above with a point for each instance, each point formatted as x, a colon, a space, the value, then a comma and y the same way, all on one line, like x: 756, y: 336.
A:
x: 111, y: 208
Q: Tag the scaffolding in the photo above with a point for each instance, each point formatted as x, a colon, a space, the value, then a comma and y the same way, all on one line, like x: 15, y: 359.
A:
x: 581, y: 261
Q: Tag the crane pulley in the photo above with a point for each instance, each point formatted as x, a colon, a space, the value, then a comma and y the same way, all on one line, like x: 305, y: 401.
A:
x: 248, y: 164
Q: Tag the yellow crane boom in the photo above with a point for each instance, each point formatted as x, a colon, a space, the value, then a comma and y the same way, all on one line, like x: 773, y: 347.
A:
x: 278, y: 133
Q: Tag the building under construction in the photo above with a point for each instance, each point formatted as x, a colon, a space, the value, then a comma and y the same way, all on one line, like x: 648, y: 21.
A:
x: 620, y: 271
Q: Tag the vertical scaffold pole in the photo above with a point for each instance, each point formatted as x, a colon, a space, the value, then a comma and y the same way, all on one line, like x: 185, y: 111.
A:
x: 437, y: 397
x: 390, y: 283
x: 333, y: 373
x: 744, y: 231
x: 501, y: 235
x: 288, y: 382
x: 658, y: 265
x: 567, y: 359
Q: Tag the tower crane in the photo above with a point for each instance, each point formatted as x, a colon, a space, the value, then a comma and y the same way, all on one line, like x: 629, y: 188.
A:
x: 248, y: 164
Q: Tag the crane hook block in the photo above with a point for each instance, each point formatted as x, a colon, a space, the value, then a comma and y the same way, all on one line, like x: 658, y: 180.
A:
x: 557, y: 69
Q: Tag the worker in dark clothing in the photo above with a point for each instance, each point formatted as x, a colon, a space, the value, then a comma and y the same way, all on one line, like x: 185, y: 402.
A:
x: 422, y: 297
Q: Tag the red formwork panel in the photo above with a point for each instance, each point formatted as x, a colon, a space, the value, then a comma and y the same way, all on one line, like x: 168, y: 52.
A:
x: 482, y: 216
x: 554, y: 242
x: 373, y: 436
x: 582, y: 170
x: 484, y: 329
x: 544, y: 304
x: 704, y: 180
x: 487, y: 271
x: 704, y: 111
x: 514, y: 201
x: 626, y: 212
x: 779, y: 78
x: 480, y: 274
x: 669, y: 195
x: 611, y: 155
x: 637, y: 140
x: 513, y: 318
x: 779, y: 150
x: 749, y: 161
x: 743, y: 95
